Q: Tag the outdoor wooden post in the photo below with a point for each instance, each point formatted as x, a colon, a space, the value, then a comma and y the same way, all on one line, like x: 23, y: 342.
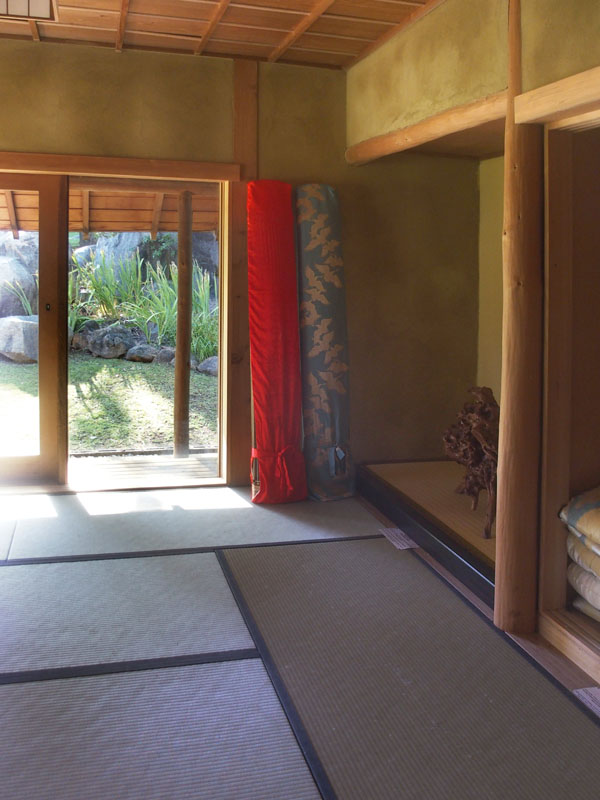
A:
x: 520, y: 404
x: 181, y: 413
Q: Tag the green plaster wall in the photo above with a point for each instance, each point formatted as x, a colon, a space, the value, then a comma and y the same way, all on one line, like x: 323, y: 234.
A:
x: 491, y: 200
x: 560, y: 38
x: 454, y: 55
x: 410, y: 226
x: 94, y: 101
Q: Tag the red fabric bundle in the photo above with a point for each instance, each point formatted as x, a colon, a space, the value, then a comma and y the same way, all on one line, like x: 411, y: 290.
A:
x: 274, y: 345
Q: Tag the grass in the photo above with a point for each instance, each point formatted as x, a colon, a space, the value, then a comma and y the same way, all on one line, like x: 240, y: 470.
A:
x: 113, y: 404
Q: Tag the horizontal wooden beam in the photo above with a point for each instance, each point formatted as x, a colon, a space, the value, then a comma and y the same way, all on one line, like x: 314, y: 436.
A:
x: 109, y: 167
x: 129, y: 185
x: 448, y: 122
x: 575, y: 95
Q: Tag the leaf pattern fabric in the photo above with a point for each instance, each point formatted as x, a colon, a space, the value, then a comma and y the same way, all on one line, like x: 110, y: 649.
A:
x: 323, y: 344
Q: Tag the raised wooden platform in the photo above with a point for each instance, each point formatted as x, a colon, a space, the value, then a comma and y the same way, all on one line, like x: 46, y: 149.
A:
x: 431, y: 487
x: 420, y: 497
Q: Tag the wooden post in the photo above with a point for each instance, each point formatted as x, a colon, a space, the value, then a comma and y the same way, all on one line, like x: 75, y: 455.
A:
x: 181, y: 411
x: 53, y: 318
x: 520, y: 404
x: 245, y: 142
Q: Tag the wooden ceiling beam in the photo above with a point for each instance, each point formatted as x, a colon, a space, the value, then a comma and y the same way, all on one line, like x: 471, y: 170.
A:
x: 35, y: 34
x: 214, y: 21
x: 319, y: 9
x: 158, y: 205
x: 12, y: 213
x: 122, y: 24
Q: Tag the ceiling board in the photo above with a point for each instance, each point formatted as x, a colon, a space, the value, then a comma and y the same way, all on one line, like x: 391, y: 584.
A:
x: 339, y: 34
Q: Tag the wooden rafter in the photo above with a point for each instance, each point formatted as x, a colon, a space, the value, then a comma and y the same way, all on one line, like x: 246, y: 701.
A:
x: 35, y: 34
x: 12, y: 214
x: 214, y: 21
x: 303, y: 25
x: 122, y: 24
x: 158, y: 204
x: 85, y: 211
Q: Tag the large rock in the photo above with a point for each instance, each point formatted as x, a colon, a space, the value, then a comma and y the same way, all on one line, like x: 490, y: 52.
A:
x: 82, y: 337
x: 142, y: 352
x: 111, y: 342
x: 13, y: 272
x: 25, y: 249
x: 19, y: 339
x: 210, y: 366
x: 165, y: 355
x: 119, y: 247
x: 83, y: 254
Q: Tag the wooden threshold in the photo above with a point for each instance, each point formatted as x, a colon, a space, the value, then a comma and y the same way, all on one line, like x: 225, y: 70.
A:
x: 474, y: 129
x: 574, y: 635
x: 429, y: 534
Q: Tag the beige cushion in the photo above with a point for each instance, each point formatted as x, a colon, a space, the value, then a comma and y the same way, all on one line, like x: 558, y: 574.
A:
x: 585, y: 583
x: 582, y: 514
x: 582, y: 555
x: 586, y: 608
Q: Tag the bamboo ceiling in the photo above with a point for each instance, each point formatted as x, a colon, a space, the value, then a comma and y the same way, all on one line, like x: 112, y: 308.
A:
x: 108, y: 209
x: 331, y: 33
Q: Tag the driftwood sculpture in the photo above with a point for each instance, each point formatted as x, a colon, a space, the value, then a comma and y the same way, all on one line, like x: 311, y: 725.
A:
x: 473, y: 442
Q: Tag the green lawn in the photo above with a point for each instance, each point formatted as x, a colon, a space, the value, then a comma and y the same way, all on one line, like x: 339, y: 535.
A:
x: 113, y: 405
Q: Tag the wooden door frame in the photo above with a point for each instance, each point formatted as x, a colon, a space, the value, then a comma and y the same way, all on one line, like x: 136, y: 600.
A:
x: 51, y: 173
x: 50, y: 465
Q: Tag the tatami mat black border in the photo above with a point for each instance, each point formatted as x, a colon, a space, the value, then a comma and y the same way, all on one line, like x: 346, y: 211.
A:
x: 310, y: 754
x: 515, y: 645
x: 181, y: 551
x: 115, y: 667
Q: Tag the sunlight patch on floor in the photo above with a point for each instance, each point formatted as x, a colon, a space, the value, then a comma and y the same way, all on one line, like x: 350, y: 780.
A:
x: 110, y: 503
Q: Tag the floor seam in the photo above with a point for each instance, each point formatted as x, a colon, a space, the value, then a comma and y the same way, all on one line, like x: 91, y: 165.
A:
x: 122, y: 667
x: 70, y: 559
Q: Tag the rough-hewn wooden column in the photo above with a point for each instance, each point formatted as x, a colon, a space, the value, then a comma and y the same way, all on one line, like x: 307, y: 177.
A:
x: 245, y: 147
x: 181, y: 416
x: 520, y: 405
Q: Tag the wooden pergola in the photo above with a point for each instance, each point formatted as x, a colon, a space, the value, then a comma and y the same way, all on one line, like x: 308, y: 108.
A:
x: 116, y: 205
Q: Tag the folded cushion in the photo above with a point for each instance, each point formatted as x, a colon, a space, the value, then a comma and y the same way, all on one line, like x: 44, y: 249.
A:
x: 582, y: 555
x: 583, y: 514
x: 585, y: 583
x: 581, y: 604
x: 591, y: 545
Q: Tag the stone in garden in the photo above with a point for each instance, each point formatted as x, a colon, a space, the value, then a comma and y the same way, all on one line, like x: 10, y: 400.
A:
x: 82, y: 255
x: 210, y: 366
x: 141, y: 352
x: 193, y: 363
x: 165, y: 355
x: 19, y: 339
x: 111, y: 342
x: 13, y: 271
x: 81, y: 338
x: 25, y: 249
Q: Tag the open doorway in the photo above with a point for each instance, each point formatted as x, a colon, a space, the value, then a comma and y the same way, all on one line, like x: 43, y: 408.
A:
x: 136, y: 418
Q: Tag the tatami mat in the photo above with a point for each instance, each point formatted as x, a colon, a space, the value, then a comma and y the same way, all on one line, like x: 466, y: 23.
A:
x: 210, y: 732
x: 404, y: 690
x: 7, y: 528
x: 57, y: 615
x: 117, y: 522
